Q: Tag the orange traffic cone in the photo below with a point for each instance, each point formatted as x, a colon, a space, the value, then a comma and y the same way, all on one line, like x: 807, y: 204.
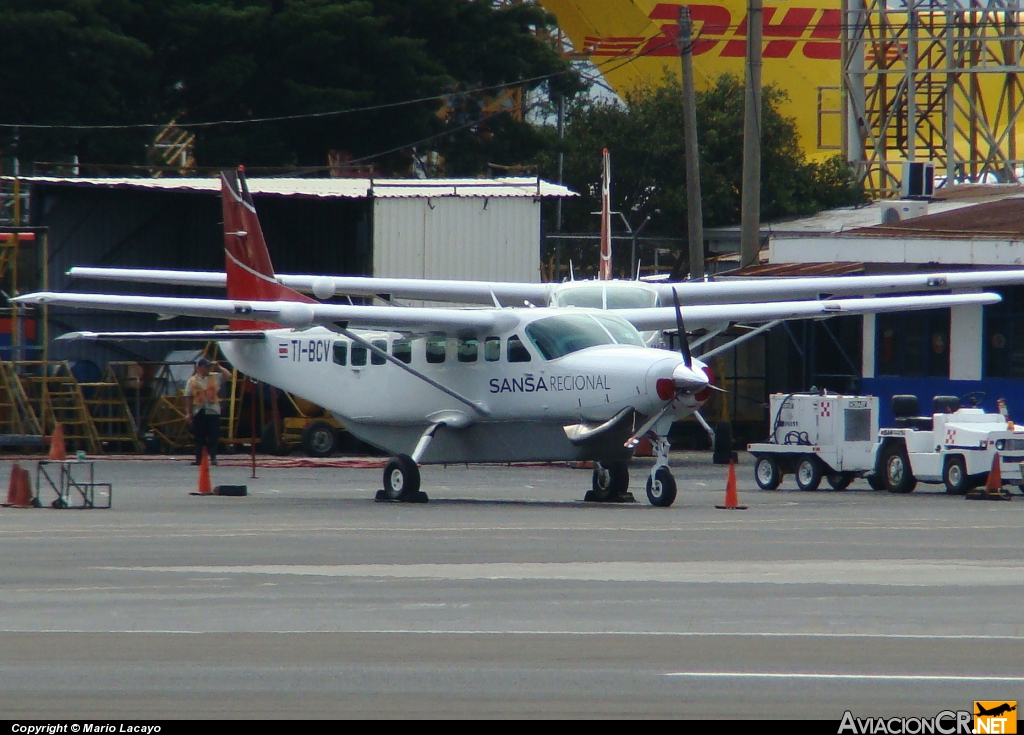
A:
x: 57, y: 451
x: 19, y: 490
x: 13, y: 487
x: 205, y: 486
x: 993, y: 485
x: 731, y: 500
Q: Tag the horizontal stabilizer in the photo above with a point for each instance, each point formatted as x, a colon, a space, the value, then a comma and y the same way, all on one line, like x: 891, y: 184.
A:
x: 187, y: 335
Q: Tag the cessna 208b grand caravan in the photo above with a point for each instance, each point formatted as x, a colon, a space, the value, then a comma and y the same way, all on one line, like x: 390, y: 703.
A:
x: 443, y: 385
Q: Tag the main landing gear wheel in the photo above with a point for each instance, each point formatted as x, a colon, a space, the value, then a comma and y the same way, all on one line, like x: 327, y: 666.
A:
x: 767, y: 474
x: 402, y: 482
x: 661, y: 488
x: 610, y: 484
x: 808, y: 473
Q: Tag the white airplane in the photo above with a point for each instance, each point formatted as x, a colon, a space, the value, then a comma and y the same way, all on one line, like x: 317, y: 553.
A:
x: 444, y: 385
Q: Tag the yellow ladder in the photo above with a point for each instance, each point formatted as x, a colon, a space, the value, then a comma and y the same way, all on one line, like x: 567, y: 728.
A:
x: 57, y: 399
x: 111, y: 418
x: 16, y: 414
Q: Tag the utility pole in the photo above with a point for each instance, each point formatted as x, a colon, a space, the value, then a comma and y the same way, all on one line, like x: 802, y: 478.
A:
x: 750, y: 205
x: 694, y: 215
x: 558, y: 204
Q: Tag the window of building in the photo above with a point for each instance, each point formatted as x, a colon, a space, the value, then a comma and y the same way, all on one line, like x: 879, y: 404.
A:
x: 358, y: 355
x: 341, y: 353
x: 517, y: 351
x: 375, y: 357
x: 437, y: 345
x: 492, y: 349
x: 912, y: 344
x: 402, y: 350
x: 469, y: 349
x: 1003, y: 348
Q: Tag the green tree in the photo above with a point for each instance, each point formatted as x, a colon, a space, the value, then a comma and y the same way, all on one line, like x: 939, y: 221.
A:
x: 118, y: 62
x: 646, y: 142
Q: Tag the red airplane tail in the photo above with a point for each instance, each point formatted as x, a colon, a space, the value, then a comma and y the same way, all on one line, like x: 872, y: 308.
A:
x: 250, y: 274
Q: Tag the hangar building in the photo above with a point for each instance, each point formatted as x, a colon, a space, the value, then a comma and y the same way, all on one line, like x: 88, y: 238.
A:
x: 431, y: 228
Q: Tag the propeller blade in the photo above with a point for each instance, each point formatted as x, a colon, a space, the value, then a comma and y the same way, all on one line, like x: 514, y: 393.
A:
x: 684, y: 343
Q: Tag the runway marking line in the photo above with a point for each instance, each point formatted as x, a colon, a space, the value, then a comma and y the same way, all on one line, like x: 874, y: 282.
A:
x: 844, y: 677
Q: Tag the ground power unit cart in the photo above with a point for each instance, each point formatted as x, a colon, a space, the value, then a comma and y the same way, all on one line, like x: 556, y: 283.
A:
x: 816, y: 436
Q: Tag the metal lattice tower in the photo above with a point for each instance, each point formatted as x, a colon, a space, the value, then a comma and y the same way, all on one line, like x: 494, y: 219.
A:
x: 933, y: 80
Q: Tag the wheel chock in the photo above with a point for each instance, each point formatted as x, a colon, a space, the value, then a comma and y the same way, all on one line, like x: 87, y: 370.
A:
x: 592, y: 497
x: 418, y: 497
x: 231, y: 491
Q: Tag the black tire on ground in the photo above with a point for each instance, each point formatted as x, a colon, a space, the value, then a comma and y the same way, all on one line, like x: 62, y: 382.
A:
x: 722, y: 451
x: 954, y: 475
x: 269, y: 442
x: 610, y: 479
x: 319, y: 439
x: 839, y: 480
x: 766, y: 473
x: 809, y: 472
x: 662, y: 491
x: 894, y: 468
x: 875, y: 482
x: 401, y: 478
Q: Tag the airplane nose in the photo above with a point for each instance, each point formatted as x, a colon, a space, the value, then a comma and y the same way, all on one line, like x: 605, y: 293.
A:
x: 688, y: 379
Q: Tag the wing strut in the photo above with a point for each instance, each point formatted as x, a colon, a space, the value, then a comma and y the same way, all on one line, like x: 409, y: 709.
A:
x: 343, y: 330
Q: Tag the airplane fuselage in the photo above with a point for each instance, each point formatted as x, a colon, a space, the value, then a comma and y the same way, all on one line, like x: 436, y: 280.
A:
x: 520, y: 400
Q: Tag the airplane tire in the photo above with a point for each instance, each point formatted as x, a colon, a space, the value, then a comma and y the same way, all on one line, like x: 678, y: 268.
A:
x: 661, y: 489
x: 401, y: 478
x: 319, y: 439
x: 767, y: 474
x: 808, y: 473
x: 610, y: 479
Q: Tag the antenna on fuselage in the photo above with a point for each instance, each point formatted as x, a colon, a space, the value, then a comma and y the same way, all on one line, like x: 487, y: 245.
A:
x: 572, y: 276
x: 638, y: 269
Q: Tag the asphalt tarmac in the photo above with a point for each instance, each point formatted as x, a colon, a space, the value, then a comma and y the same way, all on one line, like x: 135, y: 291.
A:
x: 505, y: 596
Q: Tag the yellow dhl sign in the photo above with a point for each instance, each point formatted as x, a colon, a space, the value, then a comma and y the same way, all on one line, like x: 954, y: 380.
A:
x: 633, y: 44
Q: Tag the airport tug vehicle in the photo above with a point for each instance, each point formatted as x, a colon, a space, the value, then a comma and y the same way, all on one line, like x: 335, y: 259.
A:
x: 837, y: 437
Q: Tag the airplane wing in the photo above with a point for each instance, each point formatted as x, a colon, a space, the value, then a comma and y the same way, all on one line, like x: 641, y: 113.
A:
x: 291, y: 313
x: 712, y: 315
x: 726, y: 290
x: 465, y: 292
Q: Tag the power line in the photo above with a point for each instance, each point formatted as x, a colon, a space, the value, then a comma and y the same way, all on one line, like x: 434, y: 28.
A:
x: 283, y: 118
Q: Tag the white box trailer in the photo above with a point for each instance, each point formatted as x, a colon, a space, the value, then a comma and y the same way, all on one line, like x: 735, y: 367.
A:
x: 837, y: 437
x: 815, y: 436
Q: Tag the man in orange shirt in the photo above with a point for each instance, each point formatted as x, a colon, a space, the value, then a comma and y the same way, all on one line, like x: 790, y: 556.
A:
x: 202, y: 407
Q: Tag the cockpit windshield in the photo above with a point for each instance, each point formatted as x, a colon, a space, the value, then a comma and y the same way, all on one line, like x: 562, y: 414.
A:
x: 590, y: 297
x: 556, y: 336
x: 602, y: 297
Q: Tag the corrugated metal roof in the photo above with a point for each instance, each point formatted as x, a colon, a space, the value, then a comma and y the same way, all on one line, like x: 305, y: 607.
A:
x: 332, y: 188
x: 1003, y: 219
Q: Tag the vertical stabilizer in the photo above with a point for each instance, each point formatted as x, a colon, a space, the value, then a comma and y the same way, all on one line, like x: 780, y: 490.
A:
x: 605, y: 271
x: 250, y: 274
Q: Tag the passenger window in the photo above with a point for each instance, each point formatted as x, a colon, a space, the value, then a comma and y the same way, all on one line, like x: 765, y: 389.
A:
x: 436, y: 346
x: 469, y: 348
x: 358, y: 355
x: 492, y: 349
x: 375, y: 357
x: 341, y: 353
x: 517, y: 351
x: 402, y: 350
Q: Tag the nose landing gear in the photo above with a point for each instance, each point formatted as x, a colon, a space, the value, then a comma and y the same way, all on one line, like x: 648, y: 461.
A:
x: 661, y: 486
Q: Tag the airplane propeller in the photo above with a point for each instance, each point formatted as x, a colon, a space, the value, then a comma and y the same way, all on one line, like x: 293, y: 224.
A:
x: 684, y: 343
